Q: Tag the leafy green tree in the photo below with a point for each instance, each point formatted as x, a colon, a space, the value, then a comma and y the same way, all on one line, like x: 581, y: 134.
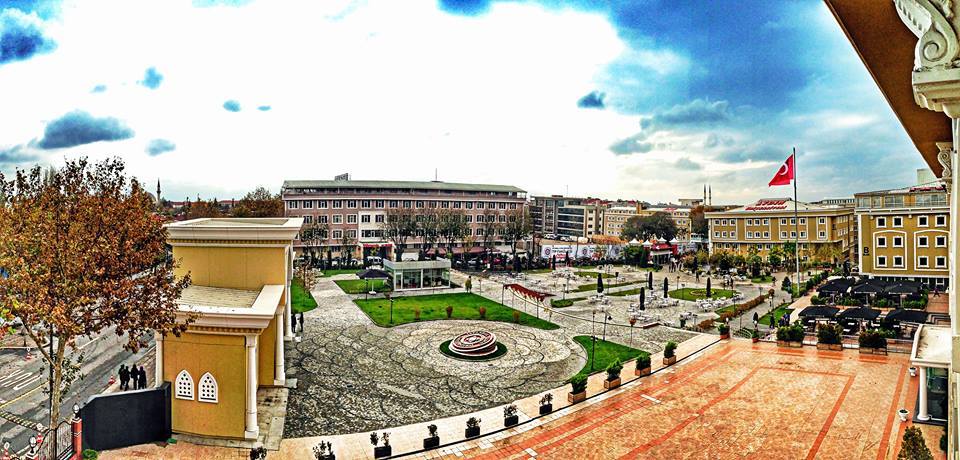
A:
x: 659, y: 224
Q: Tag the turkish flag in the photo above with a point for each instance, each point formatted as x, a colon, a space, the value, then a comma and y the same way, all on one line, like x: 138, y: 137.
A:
x: 785, y: 174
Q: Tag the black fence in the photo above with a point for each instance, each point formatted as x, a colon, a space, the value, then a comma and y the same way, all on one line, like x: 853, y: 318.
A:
x: 116, y: 420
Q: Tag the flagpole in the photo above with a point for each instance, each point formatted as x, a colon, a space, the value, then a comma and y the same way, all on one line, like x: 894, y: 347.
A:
x: 796, y: 221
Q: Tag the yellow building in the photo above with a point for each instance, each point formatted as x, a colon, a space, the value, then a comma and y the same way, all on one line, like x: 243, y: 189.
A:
x: 824, y: 230
x: 904, y: 234
x: 616, y: 217
x: 240, y: 272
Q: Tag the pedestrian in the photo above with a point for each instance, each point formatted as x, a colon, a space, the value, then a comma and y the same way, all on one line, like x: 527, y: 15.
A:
x: 142, y: 381
x: 936, y: 291
x: 134, y: 374
x: 301, y: 323
x: 124, y: 377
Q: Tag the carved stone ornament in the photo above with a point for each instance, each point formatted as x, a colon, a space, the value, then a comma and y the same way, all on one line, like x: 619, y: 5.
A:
x: 944, y: 157
x: 934, y: 23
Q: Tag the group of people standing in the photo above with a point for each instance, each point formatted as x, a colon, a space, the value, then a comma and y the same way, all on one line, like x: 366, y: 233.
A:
x: 137, y: 376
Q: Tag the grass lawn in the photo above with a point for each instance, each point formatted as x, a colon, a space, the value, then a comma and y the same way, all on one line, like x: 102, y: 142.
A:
x: 339, y: 271
x: 594, y: 274
x: 593, y: 286
x: 761, y: 279
x: 777, y: 314
x: 361, y: 286
x: 605, y: 354
x: 301, y: 301
x: 634, y: 291
x: 433, y: 307
x: 700, y: 293
x: 538, y: 270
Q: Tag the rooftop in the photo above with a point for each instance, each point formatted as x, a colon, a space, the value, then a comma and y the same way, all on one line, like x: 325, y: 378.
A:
x: 936, y: 186
x: 932, y: 345
x: 207, y: 296
x: 247, y: 229
x: 779, y: 205
x: 388, y: 184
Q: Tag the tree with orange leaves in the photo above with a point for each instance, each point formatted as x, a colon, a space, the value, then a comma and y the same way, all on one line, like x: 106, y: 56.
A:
x: 84, y: 252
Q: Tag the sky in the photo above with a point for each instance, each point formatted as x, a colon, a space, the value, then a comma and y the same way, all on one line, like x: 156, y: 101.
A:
x: 643, y: 99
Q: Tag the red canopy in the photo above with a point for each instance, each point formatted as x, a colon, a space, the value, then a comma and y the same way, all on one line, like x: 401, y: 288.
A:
x: 520, y: 289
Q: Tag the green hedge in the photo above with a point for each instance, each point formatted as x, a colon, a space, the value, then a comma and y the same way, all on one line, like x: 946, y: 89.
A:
x: 561, y: 303
x: 792, y: 333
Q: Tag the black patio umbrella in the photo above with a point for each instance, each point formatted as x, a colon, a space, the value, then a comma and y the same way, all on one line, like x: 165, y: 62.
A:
x: 866, y: 313
x: 756, y: 317
x: 373, y: 273
x: 643, y: 297
x: 708, y: 287
x: 599, y: 283
x: 666, y: 287
x: 836, y: 286
x: 868, y: 287
x: 650, y: 280
x: 903, y: 288
x: 819, y: 311
x: 907, y: 316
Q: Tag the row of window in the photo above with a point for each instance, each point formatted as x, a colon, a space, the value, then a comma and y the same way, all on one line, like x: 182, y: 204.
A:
x: 381, y: 204
x: 208, y: 389
x: 783, y: 221
x: 766, y: 235
x: 352, y: 234
x: 922, y: 221
x: 922, y: 261
x: 922, y: 241
x: 379, y: 218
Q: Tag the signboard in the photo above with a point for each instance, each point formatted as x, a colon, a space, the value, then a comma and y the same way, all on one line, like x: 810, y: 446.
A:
x: 767, y: 205
x: 582, y: 251
x: 344, y: 176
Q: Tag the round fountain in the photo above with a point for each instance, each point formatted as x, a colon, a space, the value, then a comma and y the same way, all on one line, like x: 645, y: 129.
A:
x: 474, y: 346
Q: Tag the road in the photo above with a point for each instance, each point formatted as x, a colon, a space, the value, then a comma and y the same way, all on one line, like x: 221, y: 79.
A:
x: 23, y: 401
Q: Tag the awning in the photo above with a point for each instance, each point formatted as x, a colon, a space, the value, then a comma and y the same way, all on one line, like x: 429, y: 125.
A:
x: 860, y: 313
x: 907, y: 316
x: 836, y: 286
x: 819, y: 311
x: 869, y: 287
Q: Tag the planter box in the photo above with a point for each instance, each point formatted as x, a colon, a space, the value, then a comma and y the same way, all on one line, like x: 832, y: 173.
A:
x: 431, y: 443
x: 836, y: 347
x: 873, y: 351
x: 754, y: 339
x: 511, y: 420
x: 795, y: 344
x: 611, y: 384
x: 382, y: 451
x: 471, y: 432
x: 725, y: 336
x: 641, y: 372
x: 670, y: 360
x: 546, y: 409
x: 782, y: 343
x: 574, y: 398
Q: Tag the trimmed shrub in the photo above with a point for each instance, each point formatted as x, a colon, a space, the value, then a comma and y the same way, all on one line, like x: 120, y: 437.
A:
x: 578, y: 383
x: 723, y: 328
x: 816, y: 300
x: 829, y: 334
x: 669, y: 350
x: 705, y: 325
x: 914, y: 447
x: 643, y: 361
x: 873, y: 338
x: 613, y: 370
x: 560, y: 303
x: 792, y: 333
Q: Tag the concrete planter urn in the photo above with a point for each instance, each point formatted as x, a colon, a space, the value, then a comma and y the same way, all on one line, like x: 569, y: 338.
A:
x: 903, y: 413
x: 913, y: 371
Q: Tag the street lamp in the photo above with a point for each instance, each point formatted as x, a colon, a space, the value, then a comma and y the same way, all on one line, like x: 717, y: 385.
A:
x: 593, y: 336
x: 390, y: 298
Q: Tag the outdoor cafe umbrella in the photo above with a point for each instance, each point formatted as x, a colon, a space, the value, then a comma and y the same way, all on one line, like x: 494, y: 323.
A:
x: 599, y: 283
x: 903, y: 288
x: 866, y: 313
x: 650, y: 280
x: 371, y: 274
x: 836, y: 286
x: 868, y: 287
x: 643, y: 297
x: 907, y: 316
x: 708, y: 287
x: 666, y: 286
x: 819, y: 311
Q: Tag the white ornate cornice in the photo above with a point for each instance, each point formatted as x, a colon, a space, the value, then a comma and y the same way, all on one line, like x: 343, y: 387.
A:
x: 936, y: 66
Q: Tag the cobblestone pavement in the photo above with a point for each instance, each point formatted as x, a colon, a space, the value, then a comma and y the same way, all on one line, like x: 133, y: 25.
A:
x: 354, y: 376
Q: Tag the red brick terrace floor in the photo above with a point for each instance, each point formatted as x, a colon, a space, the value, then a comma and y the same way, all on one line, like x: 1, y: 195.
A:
x: 741, y: 400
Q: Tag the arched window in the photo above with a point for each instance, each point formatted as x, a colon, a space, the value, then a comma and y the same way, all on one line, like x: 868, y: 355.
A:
x: 208, y: 389
x: 184, y: 385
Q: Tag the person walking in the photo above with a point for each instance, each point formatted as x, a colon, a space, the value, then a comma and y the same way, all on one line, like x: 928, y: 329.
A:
x: 124, y: 377
x: 142, y: 379
x: 301, y: 323
x: 134, y: 376
x: 936, y: 291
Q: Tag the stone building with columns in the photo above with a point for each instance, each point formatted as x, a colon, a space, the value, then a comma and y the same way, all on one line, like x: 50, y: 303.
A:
x: 239, y: 297
x: 912, y: 51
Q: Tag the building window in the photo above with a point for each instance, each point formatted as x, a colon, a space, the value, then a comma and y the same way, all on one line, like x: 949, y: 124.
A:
x: 307, y: 204
x: 293, y: 204
x: 716, y: 234
x: 941, y: 221
x: 898, y: 241
x: 922, y: 241
x: 881, y: 241
x: 898, y: 261
x: 468, y: 205
x: 337, y: 234
x: 208, y: 389
x: 783, y: 235
x: 749, y: 221
x: 378, y: 218
x: 766, y: 234
x: 308, y: 219
x: 480, y: 205
x: 898, y: 221
x: 394, y: 203
x: 365, y: 204
x: 379, y: 204
x: 351, y: 218
x: 941, y: 241
x: 352, y: 204
x: 337, y: 204
x: 365, y: 219
x: 766, y: 221
x: 803, y: 235
x: 793, y: 235
x: 803, y: 221
x: 941, y: 262
x: 821, y: 220
x: 923, y: 262
x: 881, y: 221
x: 749, y: 234
x: 338, y: 218
x: 352, y: 234
x: 724, y: 234
x: 783, y: 221
x: 322, y: 204
x: 822, y: 235
x: 922, y: 221
x: 881, y: 261
x: 184, y: 385
x: 322, y: 219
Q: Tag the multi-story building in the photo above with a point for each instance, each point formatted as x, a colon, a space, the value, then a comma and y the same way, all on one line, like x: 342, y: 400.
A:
x: 824, y: 230
x: 354, y: 210
x: 680, y: 216
x: 566, y: 216
x: 616, y: 217
x: 904, y: 234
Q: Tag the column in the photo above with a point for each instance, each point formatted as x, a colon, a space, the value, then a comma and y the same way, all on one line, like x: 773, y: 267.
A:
x: 251, y: 430
x: 158, y: 366
x: 279, y: 372
x: 288, y: 310
x: 922, y: 413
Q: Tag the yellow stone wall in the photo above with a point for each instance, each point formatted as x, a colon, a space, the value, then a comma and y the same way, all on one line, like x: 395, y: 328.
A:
x: 909, y: 230
x: 231, y: 267
x: 223, y: 356
x: 266, y: 359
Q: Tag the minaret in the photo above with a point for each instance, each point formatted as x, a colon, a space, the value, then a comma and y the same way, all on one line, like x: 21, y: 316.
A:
x: 710, y: 194
x: 704, y: 194
x: 159, y: 203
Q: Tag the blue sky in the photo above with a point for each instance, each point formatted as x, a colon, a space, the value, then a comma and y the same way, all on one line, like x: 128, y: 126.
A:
x: 638, y: 99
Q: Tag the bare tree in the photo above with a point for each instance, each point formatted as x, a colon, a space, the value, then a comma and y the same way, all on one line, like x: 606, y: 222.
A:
x: 398, y: 225
x: 453, y: 228
x: 490, y: 228
x: 516, y: 229
x: 313, y: 236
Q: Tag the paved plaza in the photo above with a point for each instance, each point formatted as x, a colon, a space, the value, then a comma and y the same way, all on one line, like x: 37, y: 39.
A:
x: 354, y: 376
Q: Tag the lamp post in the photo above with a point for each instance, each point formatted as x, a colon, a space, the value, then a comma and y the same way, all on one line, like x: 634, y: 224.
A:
x: 632, y: 322
x: 390, y: 298
x: 606, y: 316
x: 593, y: 336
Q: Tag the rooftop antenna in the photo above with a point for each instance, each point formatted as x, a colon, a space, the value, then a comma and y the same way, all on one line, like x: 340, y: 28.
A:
x: 435, y: 174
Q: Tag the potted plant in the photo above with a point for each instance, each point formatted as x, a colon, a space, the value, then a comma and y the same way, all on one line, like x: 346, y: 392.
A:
x: 546, y: 404
x: 578, y: 392
x: 903, y: 413
x: 613, y: 375
x: 510, y: 417
x: 873, y: 341
x: 790, y: 336
x: 381, y: 451
x: 643, y: 365
x: 829, y: 337
x: 724, y: 329
x: 433, y: 440
x: 913, y: 371
x: 321, y: 451
x: 755, y: 336
x: 669, y: 353
x: 473, y: 428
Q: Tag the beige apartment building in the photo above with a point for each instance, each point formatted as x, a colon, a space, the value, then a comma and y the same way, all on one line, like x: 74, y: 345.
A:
x: 680, y: 216
x: 615, y: 218
x: 825, y: 231
x: 567, y: 216
x: 904, y: 234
